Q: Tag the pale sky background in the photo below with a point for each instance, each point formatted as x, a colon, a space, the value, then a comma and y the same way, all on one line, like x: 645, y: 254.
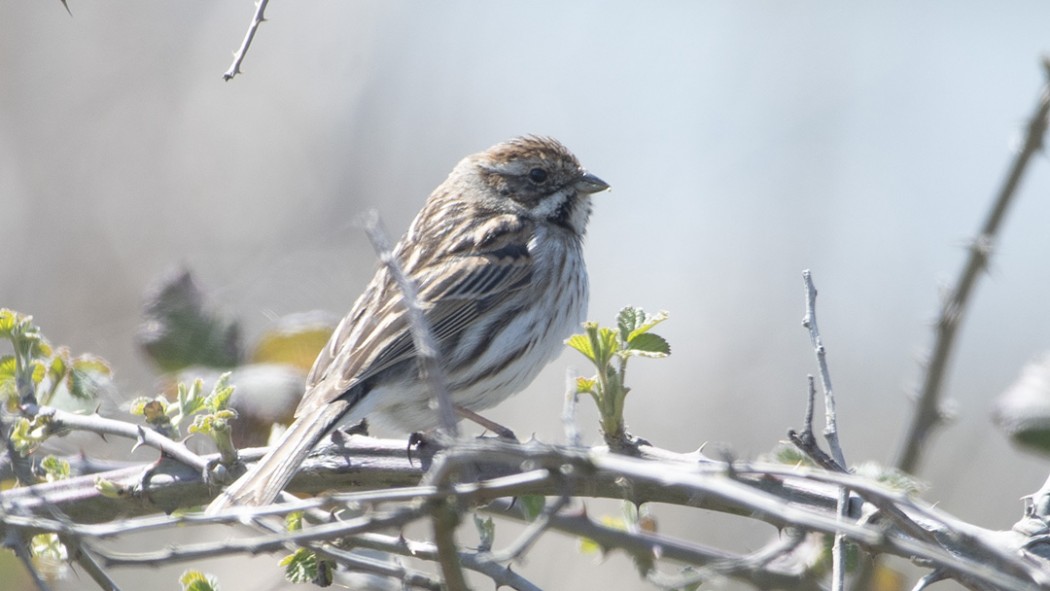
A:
x: 744, y: 142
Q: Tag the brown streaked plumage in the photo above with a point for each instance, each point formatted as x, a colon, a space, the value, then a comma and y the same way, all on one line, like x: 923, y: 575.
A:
x: 496, y: 256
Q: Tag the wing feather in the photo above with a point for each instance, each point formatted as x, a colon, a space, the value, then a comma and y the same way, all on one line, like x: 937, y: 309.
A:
x: 491, y: 262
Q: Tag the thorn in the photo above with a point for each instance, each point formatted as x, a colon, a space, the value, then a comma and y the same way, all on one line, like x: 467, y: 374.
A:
x: 141, y: 439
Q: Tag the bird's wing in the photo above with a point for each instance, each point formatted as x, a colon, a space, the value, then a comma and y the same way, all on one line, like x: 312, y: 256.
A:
x: 454, y: 286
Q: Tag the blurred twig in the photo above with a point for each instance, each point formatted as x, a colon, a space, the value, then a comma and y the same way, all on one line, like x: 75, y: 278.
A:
x: 568, y: 411
x: 422, y: 335
x: 928, y: 412
x: 238, y: 56
x: 89, y: 562
x: 19, y: 542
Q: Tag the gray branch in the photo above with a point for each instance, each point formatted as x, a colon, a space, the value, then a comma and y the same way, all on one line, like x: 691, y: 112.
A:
x: 422, y: 336
x: 238, y: 56
x: 928, y: 407
x: 386, y: 486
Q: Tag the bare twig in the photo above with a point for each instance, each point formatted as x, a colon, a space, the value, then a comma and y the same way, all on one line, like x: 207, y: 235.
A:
x: 259, y: 544
x: 20, y: 545
x: 806, y: 441
x: 753, y: 568
x: 422, y: 335
x: 238, y: 56
x: 410, y: 578
x: 928, y: 407
x: 532, y: 533
x: 831, y: 431
x: 445, y: 518
x: 568, y: 411
x: 501, y: 575
x: 87, y: 561
x: 647, y: 545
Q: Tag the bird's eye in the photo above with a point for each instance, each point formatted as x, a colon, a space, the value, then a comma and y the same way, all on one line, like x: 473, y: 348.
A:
x: 538, y: 176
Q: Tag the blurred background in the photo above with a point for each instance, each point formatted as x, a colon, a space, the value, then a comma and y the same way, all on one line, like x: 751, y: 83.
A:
x: 744, y: 142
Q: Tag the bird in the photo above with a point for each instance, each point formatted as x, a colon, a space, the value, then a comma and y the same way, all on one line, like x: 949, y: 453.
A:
x: 496, y: 259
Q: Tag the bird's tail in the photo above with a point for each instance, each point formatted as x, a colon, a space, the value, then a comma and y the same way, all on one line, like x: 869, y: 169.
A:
x: 264, y: 481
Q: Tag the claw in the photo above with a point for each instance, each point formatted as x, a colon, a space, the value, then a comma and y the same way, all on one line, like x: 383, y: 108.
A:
x: 416, y: 440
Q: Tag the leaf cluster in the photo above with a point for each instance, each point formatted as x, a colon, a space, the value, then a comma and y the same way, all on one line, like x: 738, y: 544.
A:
x: 609, y: 349
x: 36, y: 371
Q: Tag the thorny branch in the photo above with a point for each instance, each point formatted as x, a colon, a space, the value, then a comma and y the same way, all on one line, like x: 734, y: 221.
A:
x: 928, y: 406
x: 60, y: 420
x: 238, y: 56
x: 779, y: 495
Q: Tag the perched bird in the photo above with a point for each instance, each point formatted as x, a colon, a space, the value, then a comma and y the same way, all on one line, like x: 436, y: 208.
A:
x: 496, y: 256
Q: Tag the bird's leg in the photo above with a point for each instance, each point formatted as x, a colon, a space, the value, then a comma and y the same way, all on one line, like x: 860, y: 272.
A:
x: 498, y: 429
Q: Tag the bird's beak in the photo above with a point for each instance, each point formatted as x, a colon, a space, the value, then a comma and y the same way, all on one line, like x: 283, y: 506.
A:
x: 588, y: 183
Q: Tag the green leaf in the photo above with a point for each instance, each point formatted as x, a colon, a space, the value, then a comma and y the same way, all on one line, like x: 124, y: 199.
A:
x: 586, y: 385
x: 582, y: 343
x: 787, y: 453
x: 293, y: 521
x: 605, y: 344
x: 59, y: 365
x: 137, y: 406
x: 213, y: 422
x: 8, y: 383
x: 48, y: 547
x: 195, y: 580
x: 648, y: 344
x: 532, y: 505
x: 220, y: 394
x: 627, y: 320
x: 110, y: 489
x: 27, y: 435
x: 203, y: 424
x: 300, y: 567
x: 190, y: 399
x: 37, y: 370
x: 54, y: 468
x: 92, y: 364
x: 891, y: 477
x: 43, y: 348
x: 83, y: 384
x: 8, y: 322
x: 634, y: 321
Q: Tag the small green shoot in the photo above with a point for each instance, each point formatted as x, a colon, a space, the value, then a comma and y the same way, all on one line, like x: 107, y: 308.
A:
x: 609, y: 349
x: 195, y: 580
